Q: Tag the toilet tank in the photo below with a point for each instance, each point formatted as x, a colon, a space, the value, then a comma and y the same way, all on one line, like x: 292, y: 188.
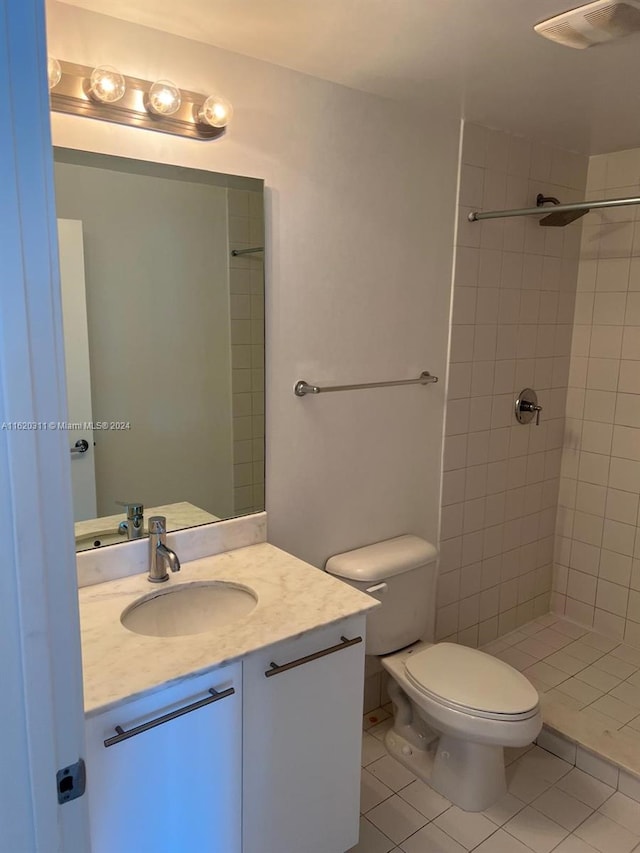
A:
x: 400, y: 573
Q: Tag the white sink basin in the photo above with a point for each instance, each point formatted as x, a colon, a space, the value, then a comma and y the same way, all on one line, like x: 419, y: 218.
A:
x: 189, y: 608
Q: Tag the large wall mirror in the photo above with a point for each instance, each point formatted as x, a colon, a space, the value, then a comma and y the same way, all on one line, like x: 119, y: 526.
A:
x: 164, y: 343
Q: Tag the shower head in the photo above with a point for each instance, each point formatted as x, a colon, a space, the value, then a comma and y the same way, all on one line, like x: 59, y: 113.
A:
x: 560, y: 219
x: 563, y: 218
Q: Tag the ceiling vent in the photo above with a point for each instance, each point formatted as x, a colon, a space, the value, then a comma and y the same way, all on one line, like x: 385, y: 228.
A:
x: 593, y: 24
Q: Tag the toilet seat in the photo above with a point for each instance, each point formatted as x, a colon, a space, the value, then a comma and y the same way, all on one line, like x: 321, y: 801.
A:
x: 469, y: 681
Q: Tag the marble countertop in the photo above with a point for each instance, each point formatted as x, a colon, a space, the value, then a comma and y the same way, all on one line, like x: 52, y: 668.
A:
x: 293, y: 598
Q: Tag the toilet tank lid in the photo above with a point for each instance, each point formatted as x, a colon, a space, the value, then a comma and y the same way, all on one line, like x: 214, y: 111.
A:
x: 382, y: 560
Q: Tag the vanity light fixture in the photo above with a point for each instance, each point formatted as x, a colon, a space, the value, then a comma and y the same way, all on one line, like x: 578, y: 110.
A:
x: 104, y: 93
x: 216, y: 111
x: 107, y: 84
x: 54, y: 72
x: 164, y: 98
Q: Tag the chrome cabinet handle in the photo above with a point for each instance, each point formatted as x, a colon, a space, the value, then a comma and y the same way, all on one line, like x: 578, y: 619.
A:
x: 124, y: 735
x: 276, y: 669
x: 81, y: 446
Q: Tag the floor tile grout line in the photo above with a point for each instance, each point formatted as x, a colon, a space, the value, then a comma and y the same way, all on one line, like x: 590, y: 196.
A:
x: 381, y: 833
x: 568, y: 835
x: 596, y: 645
x: 433, y: 821
x: 597, y: 664
x: 497, y: 827
x: 393, y: 794
x: 572, y: 831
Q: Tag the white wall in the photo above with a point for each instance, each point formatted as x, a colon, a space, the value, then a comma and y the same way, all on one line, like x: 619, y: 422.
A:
x: 359, y: 220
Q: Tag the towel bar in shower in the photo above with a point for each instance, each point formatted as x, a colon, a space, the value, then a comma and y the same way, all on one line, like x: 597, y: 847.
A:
x: 302, y: 388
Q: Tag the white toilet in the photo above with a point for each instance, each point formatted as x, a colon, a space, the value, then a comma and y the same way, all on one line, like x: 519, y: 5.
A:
x: 455, y: 708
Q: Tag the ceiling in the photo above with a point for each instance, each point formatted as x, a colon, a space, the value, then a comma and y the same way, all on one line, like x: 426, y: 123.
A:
x: 482, y: 54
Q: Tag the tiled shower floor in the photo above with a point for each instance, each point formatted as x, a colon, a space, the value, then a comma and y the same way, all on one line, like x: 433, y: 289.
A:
x: 551, y: 806
x: 589, y: 684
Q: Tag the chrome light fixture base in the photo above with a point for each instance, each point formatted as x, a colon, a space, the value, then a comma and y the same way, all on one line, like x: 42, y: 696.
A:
x: 72, y: 95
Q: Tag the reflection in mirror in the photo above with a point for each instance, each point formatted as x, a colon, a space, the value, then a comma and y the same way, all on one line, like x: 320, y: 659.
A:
x: 164, y: 343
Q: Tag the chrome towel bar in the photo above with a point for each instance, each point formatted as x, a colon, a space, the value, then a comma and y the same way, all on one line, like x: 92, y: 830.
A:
x: 236, y: 252
x: 301, y: 388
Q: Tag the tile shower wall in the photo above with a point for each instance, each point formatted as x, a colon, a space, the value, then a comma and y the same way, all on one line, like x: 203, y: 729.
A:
x: 246, y: 277
x: 513, y: 304
x: 597, y: 557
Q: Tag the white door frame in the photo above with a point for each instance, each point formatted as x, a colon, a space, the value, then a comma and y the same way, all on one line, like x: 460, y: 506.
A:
x: 40, y: 666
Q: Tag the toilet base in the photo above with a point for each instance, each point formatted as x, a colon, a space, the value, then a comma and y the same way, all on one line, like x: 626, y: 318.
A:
x: 416, y: 759
x: 470, y: 775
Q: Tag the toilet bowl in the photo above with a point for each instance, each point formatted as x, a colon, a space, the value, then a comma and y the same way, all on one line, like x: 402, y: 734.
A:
x: 455, y: 708
x: 467, y: 706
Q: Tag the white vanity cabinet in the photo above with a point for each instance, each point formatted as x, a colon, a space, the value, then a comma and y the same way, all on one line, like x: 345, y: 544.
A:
x: 302, y: 734
x: 176, y: 786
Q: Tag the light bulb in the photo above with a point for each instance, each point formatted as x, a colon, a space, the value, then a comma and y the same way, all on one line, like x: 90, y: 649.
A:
x: 216, y: 111
x: 54, y: 72
x: 107, y: 84
x: 164, y: 98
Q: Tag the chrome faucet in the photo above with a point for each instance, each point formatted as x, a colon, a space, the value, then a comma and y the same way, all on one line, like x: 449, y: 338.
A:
x: 159, y: 555
x: 133, y: 526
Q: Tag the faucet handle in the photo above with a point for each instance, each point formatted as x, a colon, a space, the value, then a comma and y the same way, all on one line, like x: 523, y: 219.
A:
x: 527, y: 407
x: 133, y: 508
x: 157, y: 524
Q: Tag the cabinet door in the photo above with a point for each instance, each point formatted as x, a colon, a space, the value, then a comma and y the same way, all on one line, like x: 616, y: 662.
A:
x: 302, y: 743
x: 174, y: 787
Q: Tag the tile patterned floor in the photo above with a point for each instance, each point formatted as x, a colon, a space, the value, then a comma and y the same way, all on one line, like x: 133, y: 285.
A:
x: 594, y: 675
x: 550, y: 806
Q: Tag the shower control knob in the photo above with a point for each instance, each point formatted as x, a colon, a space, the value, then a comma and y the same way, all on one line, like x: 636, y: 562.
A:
x: 530, y: 407
x: 527, y: 406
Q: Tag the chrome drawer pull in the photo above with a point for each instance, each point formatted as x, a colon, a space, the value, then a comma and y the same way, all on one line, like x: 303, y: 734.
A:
x: 124, y: 735
x: 277, y: 668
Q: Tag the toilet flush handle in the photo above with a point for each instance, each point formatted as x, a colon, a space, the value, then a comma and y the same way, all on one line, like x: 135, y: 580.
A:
x: 379, y: 587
